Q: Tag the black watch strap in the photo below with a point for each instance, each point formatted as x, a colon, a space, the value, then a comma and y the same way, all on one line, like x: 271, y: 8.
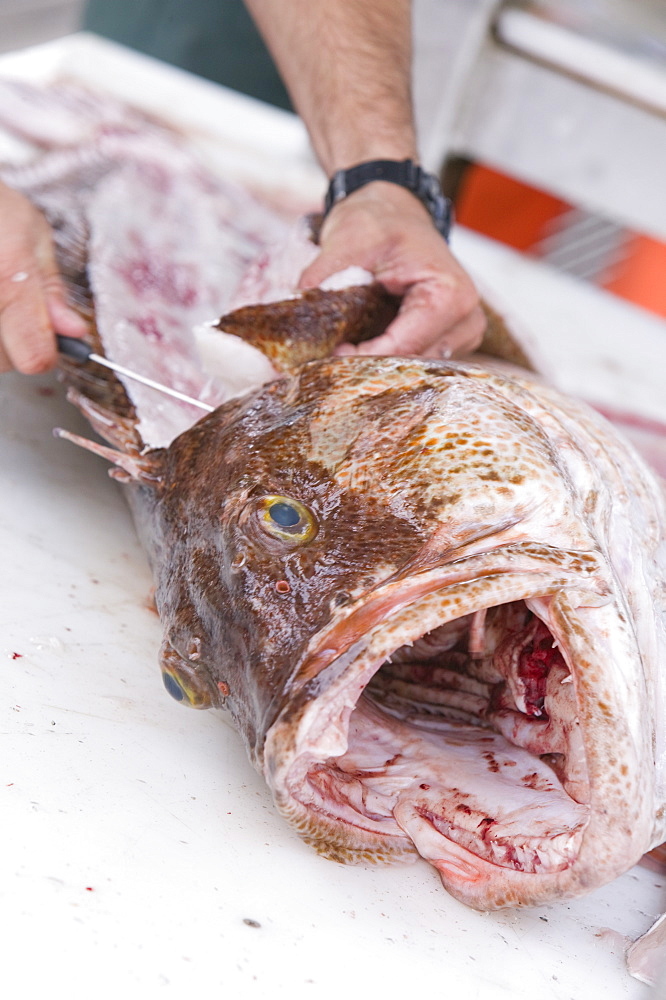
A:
x: 407, y: 174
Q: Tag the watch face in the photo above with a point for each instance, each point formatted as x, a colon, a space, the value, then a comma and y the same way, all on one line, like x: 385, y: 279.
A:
x: 431, y: 186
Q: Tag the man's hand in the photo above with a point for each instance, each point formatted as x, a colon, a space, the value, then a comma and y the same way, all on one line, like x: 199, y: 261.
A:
x: 33, y: 306
x: 347, y: 66
x: 385, y: 229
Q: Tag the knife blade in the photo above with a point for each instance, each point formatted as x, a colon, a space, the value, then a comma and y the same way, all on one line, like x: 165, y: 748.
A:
x: 77, y: 349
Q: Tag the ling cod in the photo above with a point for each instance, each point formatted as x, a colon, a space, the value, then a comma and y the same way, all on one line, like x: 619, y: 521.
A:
x: 430, y: 594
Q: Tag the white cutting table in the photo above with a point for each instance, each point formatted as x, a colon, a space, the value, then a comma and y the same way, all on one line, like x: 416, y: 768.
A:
x: 141, y: 855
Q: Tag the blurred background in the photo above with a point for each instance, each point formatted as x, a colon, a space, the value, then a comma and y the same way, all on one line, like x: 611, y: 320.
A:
x: 545, y: 118
x: 27, y: 22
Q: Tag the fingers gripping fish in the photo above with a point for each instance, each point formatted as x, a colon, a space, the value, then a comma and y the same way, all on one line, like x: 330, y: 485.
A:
x: 430, y: 594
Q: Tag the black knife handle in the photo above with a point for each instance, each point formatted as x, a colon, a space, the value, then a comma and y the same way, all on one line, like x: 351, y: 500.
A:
x: 72, y: 347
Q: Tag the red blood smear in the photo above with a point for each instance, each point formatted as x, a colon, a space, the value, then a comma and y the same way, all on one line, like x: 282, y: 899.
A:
x: 535, y: 660
x: 147, y: 325
x: 169, y: 280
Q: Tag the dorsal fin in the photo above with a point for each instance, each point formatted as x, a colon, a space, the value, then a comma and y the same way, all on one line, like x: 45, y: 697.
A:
x: 132, y: 463
x: 500, y: 342
x: 310, y: 325
x: 145, y: 469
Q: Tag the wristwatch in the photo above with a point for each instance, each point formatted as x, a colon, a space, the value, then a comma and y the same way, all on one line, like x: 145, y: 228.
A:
x: 407, y: 174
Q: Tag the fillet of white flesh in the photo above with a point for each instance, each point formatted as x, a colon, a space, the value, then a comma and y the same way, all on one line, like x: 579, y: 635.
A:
x: 466, y: 737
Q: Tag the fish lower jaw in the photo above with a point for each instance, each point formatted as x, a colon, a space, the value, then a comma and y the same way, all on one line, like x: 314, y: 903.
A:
x: 434, y: 836
x: 462, y: 743
x: 440, y: 795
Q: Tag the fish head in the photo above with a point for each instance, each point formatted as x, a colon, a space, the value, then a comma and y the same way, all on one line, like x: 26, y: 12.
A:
x: 395, y: 573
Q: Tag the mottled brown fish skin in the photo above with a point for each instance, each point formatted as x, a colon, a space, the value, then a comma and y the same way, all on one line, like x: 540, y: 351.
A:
x: 223, y: 581
x: 409, y: 471
x: 361, y: 444
x: 310, y: 325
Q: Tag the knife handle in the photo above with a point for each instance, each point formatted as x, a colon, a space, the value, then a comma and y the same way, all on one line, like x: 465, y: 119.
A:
x: 72, y: 347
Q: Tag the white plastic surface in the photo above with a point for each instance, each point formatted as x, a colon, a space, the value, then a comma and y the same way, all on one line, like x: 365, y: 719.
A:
x: 141, y: 855
x: 626, y: 75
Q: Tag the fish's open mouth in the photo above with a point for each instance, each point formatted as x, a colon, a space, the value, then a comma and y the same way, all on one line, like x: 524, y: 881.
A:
x: 459, y: 738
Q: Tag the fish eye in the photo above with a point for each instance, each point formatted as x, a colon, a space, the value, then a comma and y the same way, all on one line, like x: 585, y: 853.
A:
x: 183, y: 690
x: 287, y: 519
x: 172, y: 686
x: 284, y: 514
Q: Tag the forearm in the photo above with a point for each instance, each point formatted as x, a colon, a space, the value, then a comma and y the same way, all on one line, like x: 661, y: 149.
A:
x: 347, y: 66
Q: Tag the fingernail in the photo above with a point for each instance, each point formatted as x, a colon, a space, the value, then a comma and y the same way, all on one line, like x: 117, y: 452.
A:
x: 67, y: 320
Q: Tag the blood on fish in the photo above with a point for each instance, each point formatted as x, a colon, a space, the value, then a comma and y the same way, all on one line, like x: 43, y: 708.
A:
x: 147, y: 325
x: 535, y: 661
x: 165, y: 279
x: 492, y: 763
